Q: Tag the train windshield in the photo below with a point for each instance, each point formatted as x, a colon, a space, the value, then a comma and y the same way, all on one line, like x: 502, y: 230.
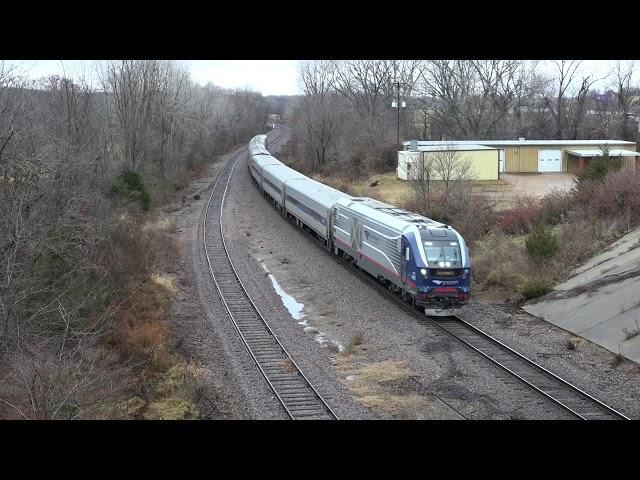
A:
x: 443, y: 254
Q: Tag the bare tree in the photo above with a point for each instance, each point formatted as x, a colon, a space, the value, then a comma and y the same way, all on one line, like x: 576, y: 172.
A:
x: 132, y: 84
x: 168, y: 106
x: 321, y: 113
x: 557, y: 103
x: 626, y: 96
x: 471, y: 98
x: 451, y: 168
x: 422, y: 177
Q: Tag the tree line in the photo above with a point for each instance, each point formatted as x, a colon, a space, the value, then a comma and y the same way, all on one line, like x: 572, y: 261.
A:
x: 71, y: 241
x: 346, y: 119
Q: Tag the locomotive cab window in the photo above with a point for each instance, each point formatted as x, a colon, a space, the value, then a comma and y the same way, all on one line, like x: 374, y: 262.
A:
x: 443, y: 253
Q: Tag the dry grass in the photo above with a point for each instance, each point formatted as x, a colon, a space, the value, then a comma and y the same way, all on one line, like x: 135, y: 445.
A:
x: 573, y: 343
x: 376, y: 385
x: 172, y: 396
x: 354, y: 345
x: 327, y: 312
x: 166, y: 281
x: 500, y: 267
x: 288, y: 366
x: 631, y: 333
x: 165, y: 386
x: 618, y: 358
x: 391, y: 189
x: 160, y: 223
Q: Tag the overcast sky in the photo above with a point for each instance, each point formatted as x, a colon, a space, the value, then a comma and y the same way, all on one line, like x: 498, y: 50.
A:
x: 270, y: 77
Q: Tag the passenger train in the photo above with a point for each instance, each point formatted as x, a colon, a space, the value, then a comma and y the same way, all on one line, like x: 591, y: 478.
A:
x: 424, y: 261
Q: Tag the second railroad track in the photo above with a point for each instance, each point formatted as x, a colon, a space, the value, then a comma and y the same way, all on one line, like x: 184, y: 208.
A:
x: 294, y: 391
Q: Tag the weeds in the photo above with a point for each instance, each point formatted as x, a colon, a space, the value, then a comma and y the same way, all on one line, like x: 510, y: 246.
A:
x: 355, y: 341
x: 634, y: 332
x: 619, y: 357
x: 535, y: 288
x: 541, y: 244
x: 288, y: 366
x: 522, y: 218
x: 573, y: 343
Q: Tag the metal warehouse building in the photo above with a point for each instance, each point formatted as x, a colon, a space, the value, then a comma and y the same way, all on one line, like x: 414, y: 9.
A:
x: 532, y: 156
x: 483, y: 159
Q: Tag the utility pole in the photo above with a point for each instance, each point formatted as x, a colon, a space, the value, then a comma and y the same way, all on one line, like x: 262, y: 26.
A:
x: 398, y: 105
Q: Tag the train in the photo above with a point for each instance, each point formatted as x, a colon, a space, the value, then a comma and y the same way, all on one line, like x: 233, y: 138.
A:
x: 425, y: 262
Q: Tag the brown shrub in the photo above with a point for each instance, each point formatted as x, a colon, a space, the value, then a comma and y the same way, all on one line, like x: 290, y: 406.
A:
x: 476, y: 219
x: 618, y: 195
x: 556, y: 205
x: 500, y: 262
x: 522, y: 217
x: 472, y: 215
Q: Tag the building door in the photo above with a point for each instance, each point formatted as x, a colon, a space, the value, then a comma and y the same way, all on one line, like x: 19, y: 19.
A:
x: 501, y: 161
x: 549, y: 160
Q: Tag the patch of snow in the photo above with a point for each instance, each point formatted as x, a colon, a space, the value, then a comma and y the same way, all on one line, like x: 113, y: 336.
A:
x: 295, y: 308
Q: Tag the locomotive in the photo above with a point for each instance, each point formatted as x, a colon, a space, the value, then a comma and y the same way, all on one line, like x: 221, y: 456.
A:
x: 426, y: 262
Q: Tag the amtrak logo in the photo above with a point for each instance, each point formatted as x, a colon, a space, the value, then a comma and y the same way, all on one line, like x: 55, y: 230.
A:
x: 445, y: 282
x: 370, y: 237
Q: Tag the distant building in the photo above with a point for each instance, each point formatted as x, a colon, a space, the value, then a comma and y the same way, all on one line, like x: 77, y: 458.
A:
x: 533, y: 156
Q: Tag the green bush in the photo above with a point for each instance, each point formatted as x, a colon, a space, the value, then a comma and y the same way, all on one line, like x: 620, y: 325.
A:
x: 535, y: 288
x: 599, y: 167
x: 541, y: 244
x: 130, y: 187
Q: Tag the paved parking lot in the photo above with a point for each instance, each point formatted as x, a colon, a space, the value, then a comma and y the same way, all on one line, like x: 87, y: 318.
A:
x: 511, y: 186
x: 537, y: 184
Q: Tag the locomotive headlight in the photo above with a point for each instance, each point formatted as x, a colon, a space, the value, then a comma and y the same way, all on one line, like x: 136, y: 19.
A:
x: 423, y: 271
x: 466, y: 271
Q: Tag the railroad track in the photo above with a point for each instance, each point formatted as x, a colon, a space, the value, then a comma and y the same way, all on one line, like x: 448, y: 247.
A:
x: 294, y: 391
x: 576, y: 402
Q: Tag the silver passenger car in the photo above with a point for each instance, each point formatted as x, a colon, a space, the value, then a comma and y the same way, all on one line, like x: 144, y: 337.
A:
x: 257, y: 163
x: 257, y: 145
x: 310, y: 202
x: 274, y: 178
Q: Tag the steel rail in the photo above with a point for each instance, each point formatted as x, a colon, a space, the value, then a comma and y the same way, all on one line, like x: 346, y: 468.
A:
x: 291, y: 387
x: 577, y: 403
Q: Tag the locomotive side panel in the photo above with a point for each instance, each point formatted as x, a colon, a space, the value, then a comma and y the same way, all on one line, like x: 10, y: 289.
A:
x: 376, y: 247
